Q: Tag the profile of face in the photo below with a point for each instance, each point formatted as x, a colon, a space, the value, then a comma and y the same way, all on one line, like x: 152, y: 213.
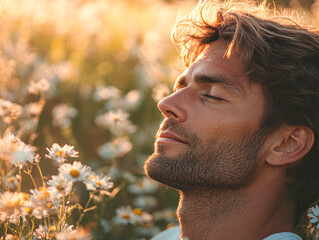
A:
x: 210, y: 136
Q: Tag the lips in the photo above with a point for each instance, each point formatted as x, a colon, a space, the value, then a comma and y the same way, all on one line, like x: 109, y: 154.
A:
x: 168, y: 136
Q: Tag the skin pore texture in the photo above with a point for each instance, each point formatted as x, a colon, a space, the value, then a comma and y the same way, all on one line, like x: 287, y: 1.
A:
x: 230, y: 174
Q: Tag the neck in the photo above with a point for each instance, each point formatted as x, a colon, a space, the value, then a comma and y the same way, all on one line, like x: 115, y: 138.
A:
x: 249, y: 213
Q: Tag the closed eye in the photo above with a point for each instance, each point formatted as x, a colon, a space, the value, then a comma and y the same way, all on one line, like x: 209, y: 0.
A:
x: 213, y: 97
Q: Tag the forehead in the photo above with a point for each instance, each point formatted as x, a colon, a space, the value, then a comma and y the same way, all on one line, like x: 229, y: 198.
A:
x: 214, y: 63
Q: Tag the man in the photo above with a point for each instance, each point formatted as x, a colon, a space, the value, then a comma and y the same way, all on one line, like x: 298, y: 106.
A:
x: 239, y: 138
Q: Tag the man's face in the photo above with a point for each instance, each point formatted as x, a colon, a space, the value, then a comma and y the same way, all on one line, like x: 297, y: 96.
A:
x: 210, y: 136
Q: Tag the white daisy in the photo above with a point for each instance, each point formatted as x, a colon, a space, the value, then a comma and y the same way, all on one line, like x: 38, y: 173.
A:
x: 132, y: 98
x: 140, y: 216
x: 74, y: 172
x: 120, y: 147
x: 77, y: 234
x: 103, y: 93
x: 98, y: 182
x: 116, y: 121
x: 66, y: 228
x: 33, y: 108
x: 128, y: 103
x: 12, y: 182
x: 61, y: 184
x: 37, y: 87
x: 167, y: 214
x: 23, y: 153
x: 42, y: 232
x: 314, y: 215
x: 9, y: 111
x: 143, y: 186
x: 60, y: 154
x: 116, y: 174
x: 10, y: 206
x: 28, y: 207
x: 124, y: 215
x: 62, y: 115
x: 12, y: 149
x: 46, y: 201
x: 106, y: 226
x: 145, y: 202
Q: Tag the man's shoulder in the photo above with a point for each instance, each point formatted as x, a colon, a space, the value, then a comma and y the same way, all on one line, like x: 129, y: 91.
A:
x: 283, y: 236
x: 169, y: 234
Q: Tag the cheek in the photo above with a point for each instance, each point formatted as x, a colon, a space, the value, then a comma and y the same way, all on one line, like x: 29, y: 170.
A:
x: 226, y: 124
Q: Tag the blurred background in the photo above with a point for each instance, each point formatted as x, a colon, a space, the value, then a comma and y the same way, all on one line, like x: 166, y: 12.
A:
x: 89, y: 73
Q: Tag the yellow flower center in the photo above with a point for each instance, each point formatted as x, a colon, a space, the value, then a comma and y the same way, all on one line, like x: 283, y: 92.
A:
x: 28, y: 210
x: 52, y: 228
x: 74, y: 173
x: 11, y: 180
x: 137, y: 211
x: 46, y: 194
x: 9, y: 204
x: 99, y: 183
x: 126, y: 216
x: 16, y: 202
x: 49, y: 205
x: 25, y: 196
x: 59, y: 153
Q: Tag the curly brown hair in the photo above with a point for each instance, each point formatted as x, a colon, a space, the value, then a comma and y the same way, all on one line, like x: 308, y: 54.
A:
x: 277, y: 51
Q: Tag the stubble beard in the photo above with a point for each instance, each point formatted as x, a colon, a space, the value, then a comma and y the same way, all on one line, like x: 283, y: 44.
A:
x: 222, y: 162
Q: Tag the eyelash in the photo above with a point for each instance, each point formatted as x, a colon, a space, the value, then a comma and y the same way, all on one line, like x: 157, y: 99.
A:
x: 180, y: 86
x: 213, y: 97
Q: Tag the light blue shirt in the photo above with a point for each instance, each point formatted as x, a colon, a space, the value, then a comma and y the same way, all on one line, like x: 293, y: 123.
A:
x: 173, y: 234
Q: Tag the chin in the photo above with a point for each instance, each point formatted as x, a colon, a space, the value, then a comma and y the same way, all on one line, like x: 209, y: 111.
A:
x: 151, y: 166
x: 165, y: 171
x: 155, y: 166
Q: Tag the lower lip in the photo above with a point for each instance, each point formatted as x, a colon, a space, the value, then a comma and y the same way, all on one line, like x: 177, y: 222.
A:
x: 168, y: 140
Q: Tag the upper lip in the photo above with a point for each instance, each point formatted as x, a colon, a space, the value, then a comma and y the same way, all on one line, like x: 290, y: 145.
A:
x: 168, y: 134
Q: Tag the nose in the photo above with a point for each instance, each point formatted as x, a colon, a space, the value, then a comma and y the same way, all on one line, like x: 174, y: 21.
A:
x: 171, y: 107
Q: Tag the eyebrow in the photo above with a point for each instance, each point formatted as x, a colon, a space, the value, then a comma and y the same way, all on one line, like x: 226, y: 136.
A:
x: 220, y: 79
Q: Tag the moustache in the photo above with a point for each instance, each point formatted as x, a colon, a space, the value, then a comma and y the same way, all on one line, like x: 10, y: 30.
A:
x: 175, y: 127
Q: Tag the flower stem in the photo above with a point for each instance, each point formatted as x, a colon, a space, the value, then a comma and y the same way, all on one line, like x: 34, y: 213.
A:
x: 86, y: 206
x: 19, y: 180
x: 42, y: 178
x: 32, y: 179
x: 62, y: 207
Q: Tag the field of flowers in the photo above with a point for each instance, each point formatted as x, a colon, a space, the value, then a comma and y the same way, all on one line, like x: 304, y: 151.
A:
x: 79, y: 85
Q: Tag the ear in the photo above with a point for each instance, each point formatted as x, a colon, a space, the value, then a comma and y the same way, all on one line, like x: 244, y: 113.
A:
x: 289, y: 144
